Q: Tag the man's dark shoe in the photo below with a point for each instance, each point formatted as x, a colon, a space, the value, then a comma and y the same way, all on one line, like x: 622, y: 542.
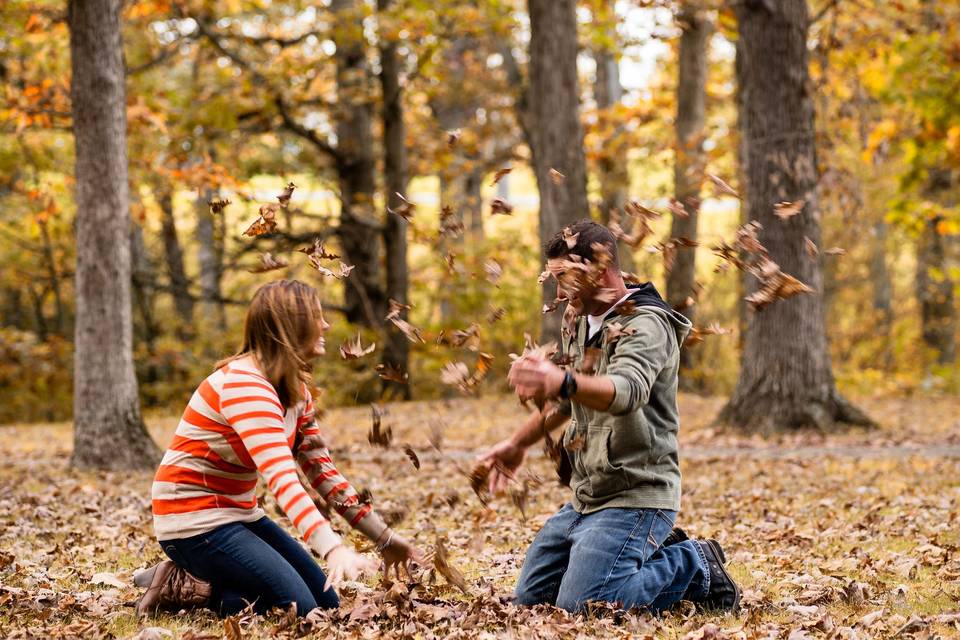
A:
x: 724, y: 594
x: 676, y: 535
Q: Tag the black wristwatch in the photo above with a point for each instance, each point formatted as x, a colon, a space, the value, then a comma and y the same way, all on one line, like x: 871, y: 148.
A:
x: 569, y: 386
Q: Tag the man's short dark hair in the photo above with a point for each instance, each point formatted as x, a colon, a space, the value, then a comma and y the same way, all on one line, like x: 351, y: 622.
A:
x: 590, y: 233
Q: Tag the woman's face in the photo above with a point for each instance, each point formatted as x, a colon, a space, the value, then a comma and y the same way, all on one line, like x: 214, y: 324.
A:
x: 320, y: 347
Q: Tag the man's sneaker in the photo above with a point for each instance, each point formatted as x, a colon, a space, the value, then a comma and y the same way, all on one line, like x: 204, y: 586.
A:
x: 724, y: 594
x: 676, y: 535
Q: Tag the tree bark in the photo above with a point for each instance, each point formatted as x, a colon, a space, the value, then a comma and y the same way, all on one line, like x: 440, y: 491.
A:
x: 786, y: 380
x: 553, y: 125
x: 689, y: 166
x: 359, y: 229
x: 108, y: 429
x: 173, y: 254
x: 397, y: 349
x: 613, y: 166
x: 934, y: 284
x: 210, y: 257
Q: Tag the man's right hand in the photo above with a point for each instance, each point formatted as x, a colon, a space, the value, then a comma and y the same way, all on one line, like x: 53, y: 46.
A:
x: 503, y: 460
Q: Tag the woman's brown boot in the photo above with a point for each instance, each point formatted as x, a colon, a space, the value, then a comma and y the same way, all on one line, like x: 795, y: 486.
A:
x: 171, y: 588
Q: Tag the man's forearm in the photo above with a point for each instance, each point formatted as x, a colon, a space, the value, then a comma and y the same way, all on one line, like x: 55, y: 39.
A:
x: 537, y: 424
x: 595, y: 392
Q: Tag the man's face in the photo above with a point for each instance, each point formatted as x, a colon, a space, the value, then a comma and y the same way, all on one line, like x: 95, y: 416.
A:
x: 567, y: 282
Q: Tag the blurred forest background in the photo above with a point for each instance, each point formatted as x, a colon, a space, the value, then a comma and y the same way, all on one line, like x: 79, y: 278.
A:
x: 357, y: 101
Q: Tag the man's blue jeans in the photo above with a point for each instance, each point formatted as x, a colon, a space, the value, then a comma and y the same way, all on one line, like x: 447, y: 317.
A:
x: 253, y: 562
x: 611, y: 555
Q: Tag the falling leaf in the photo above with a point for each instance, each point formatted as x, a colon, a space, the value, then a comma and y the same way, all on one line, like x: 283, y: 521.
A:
x: 407, y: 449
x: 318, y: 251
x: 697, y: 334
x: 478, y: 481
x: 453, y: 136
x: 493, y: 270
x: 284, y: 197
x: 556, y: 177
x: 810, y: 247
x: 520, y: 496
x: 614, y: 331
x: 269, y: 263
x: 436, y: 434
x: 441, y: 562
x: 722, y: 187
x: 577, y: 443
x: 676, y: 208
x: 217, y: 206
x: 352, y: 349
x: 396, y: 308
x: 406, y: 208
x: 500, y: 206
x: 570, y: 238
x: 500, y: 174
x: 775, y: 285
x: 379, y: 436
x: 450, y: 225
x: 412, y: 333
x: 496, y: 315
x: 834, y: 251
x: 544, y: 275
x: 785, y: 210
x: 265, y: 223
x: 392, y: 373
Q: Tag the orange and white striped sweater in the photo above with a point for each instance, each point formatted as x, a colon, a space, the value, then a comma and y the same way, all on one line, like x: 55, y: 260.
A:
x: 234, y: 427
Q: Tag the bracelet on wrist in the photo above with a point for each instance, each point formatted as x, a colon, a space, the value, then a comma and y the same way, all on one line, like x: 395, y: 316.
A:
x: 386, y: 543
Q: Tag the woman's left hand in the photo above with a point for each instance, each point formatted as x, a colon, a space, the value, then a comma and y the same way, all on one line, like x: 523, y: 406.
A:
x: 400, y: 553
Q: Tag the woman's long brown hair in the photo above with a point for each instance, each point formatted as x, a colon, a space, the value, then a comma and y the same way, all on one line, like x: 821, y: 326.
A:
x: 281, y: 330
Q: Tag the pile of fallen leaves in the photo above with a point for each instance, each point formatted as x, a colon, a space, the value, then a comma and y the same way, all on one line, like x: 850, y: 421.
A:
x: 847, y: 536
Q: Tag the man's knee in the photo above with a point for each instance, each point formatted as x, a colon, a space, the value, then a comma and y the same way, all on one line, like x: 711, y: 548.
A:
x: 528, y: 597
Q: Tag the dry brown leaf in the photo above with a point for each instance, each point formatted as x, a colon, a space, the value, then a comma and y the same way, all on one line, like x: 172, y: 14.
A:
x: 218, y: 205
x: 284, y: 197
x: 406, y: 208
x: 265, y: 223
x: 443, y: 566
x: 407, y: 449
x: 379, y: 435
x: 570, y: 238
x: 498, y: 176
x: 353, y: 349
x: 453, y: 136
x: 556, y: 177
x: 499, y: 206
x: 786, y: 210
x: 231, y: 628
x: 810, y: 247
x: 269, y: 263
x: 392, y: 373
x: 722, y: 187
x: 493, y: 270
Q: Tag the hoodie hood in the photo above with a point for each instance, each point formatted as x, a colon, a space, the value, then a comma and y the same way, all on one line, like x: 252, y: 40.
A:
x: 646, y: 295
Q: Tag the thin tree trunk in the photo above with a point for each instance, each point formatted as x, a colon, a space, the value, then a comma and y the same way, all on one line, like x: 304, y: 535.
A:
x: 786, y: 380
x: 555, y: 134
x: 210, y: 258
x: 179, y: 282
x: 142, y: 279
x: 359, y: 229
x: 689, y: 166
x: 934, y: 284
x: 108, y: 429
x: 397, y: 351
x: 54, y: 275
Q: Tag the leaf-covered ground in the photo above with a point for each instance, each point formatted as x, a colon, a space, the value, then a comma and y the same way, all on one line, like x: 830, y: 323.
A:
x: 850, y: 536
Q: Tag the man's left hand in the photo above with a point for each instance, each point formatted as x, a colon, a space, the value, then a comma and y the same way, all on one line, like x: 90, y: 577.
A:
x: 535, y: 378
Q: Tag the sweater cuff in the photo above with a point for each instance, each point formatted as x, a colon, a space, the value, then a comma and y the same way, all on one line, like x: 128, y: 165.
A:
x: 371, y: 526
x: 324, y: 539
x: 622, y: 392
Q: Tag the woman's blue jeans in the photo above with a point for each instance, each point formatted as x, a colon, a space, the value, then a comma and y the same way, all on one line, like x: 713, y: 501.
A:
x: 611, y: 555
x: 253, y: 562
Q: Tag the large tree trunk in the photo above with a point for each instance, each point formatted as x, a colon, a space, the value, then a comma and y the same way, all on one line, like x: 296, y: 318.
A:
x: 179, y: 282
x: 210, y: 257
x: 397, y: 350
x: 689, y: 166
x: 786, y: 380
x: 359, y: 228
x: 108, y: 430
x: 554, y: 131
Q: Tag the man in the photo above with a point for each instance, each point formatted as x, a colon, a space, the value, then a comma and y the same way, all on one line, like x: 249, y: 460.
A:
x: 612, y: 542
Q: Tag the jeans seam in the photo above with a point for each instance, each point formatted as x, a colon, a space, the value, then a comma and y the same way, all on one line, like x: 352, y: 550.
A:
x: 705, y: 567
x: 622, y: 548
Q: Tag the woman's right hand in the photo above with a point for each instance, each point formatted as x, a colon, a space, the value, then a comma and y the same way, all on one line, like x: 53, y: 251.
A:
x: 345, y: 564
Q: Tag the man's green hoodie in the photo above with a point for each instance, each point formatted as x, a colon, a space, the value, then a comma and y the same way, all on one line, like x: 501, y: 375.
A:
x: 626, y: 456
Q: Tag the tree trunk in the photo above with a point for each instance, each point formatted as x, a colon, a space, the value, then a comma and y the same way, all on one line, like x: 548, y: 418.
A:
x: 786, y: 380
x: 108, y: 429
x: 689, y: 166
x: 934, y: 284
x: 210, y: 256
x: 359, y: 228
x: 142, y: 278
x: 179, y: 282
x: 555, y: 134
x: 397, y: 349
x: 613, y: 167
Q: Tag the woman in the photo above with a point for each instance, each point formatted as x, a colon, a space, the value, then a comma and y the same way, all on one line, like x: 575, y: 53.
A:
x: 254, y: 415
